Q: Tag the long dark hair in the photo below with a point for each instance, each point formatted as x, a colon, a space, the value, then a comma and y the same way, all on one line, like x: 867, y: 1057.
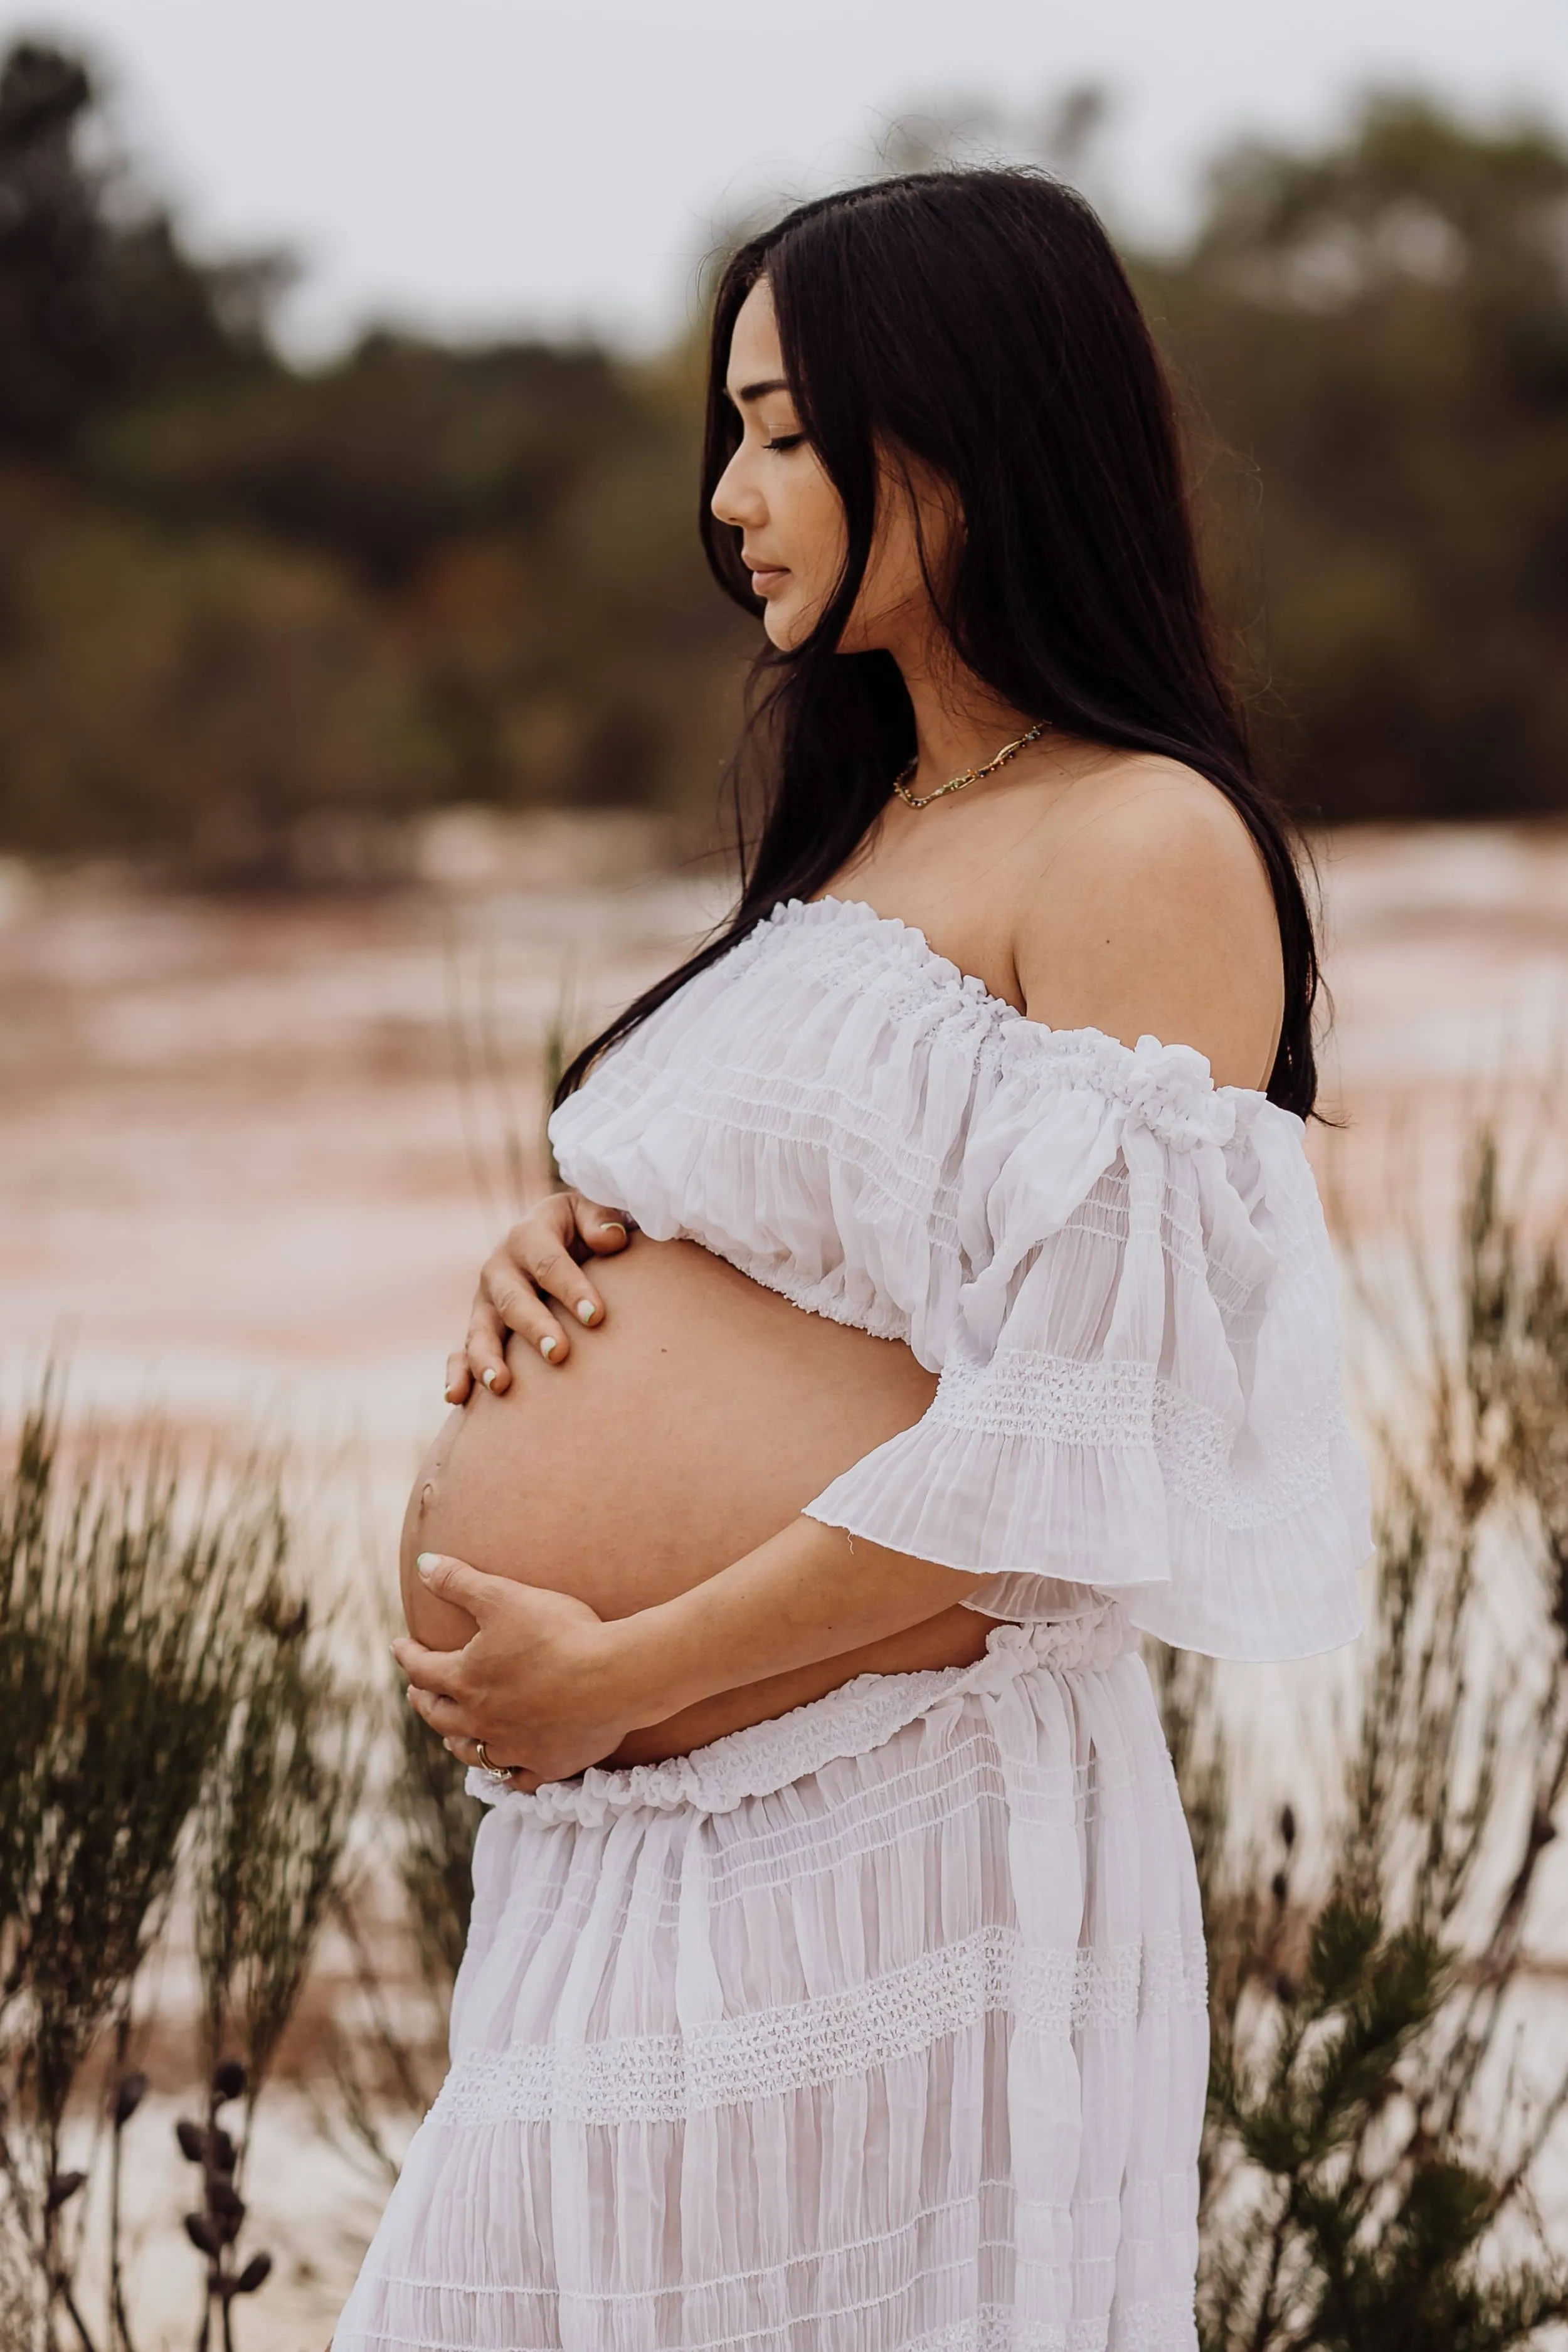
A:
x: 982, y: 321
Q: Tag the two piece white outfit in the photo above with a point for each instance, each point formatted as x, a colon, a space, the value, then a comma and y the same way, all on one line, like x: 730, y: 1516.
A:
x: 881, y: 2027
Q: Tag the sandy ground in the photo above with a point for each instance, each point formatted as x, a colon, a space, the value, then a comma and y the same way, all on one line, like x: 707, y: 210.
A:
x: 251, y: 1156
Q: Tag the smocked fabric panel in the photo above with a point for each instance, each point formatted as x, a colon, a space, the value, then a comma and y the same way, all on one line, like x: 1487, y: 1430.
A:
x: 907, y: 2049
x: 1119, y: 1271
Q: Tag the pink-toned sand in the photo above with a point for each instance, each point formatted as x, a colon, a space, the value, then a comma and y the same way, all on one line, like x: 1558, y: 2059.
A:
x: 239, y: 1168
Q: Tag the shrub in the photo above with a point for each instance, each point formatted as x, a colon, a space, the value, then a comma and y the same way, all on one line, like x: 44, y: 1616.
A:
x: 1369, y: 2159
x: 167, y: 1718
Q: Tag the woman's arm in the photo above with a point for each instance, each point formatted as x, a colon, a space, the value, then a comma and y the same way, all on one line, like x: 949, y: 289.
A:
x: 550, y: 1687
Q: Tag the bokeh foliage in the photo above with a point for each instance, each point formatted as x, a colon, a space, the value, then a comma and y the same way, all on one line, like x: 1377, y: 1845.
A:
x: 253, y: 615
x: 1379, y: 335
x: 250, y: 612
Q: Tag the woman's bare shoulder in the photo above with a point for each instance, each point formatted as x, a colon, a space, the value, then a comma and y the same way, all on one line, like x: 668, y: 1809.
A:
x: 1149, y: 911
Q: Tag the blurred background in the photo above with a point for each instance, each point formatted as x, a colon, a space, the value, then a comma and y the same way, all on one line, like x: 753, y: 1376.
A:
x: 346, y: 391
x: 364, y: 700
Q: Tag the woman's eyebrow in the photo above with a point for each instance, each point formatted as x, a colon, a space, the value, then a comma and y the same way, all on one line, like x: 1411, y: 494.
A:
x: 756, y: 391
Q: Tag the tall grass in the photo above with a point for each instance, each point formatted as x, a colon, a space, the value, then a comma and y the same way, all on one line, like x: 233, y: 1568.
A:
x: 494, y: 1115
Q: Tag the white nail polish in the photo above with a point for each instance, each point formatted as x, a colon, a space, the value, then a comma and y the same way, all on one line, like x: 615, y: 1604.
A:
x: 547, y: 1347
x: 491, y: 1378
x: 586, y: 1310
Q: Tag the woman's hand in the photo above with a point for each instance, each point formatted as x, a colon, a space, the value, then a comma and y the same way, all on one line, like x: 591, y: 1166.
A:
x: 538, y: 1682
x: 535, y: 1262
x: 550, y: 1687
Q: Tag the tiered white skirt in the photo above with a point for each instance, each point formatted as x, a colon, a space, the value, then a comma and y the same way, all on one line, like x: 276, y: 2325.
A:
x: 880, y: 2028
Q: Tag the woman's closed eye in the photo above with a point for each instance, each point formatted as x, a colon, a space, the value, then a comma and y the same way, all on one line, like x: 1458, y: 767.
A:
x: 782, y: 441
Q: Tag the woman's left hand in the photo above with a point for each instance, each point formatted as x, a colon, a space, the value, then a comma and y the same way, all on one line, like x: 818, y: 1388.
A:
x: 533, y: 1683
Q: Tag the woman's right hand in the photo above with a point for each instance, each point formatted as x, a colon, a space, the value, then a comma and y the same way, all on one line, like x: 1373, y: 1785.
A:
x: 535, y: 1263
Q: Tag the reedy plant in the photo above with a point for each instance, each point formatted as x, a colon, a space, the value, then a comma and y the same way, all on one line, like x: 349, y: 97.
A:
x: 430, y: 1823
x: 1368, y: 2173
x: 277, y: 1811
x: 146, y: 1619
x: 438, y: 1822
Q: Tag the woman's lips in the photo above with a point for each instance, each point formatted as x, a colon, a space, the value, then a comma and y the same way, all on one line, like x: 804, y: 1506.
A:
x: 765, y: 577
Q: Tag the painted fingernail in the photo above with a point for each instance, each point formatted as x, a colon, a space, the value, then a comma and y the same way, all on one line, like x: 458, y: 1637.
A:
x: 491, y: 1378
x: 448, y: 1393
x: 586, y: 1309
x: 614, y: 1225
x: 426, y: 1561
x: 547, y: 1347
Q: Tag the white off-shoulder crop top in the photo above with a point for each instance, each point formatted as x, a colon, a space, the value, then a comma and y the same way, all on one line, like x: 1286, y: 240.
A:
x: 1119, y: 1270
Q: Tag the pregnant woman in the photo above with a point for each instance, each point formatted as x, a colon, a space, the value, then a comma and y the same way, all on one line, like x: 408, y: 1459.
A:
x: 940, y: 1300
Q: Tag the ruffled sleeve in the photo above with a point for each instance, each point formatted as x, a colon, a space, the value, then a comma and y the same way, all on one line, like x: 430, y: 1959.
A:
x: 1141, y: 1388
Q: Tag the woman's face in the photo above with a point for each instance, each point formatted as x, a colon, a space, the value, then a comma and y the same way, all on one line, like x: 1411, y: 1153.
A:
x: 776, y: 493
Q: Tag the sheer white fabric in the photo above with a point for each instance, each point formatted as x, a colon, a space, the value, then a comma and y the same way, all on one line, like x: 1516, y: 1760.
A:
x: 878, y: 2029
x: 1119, y: 1270
x: 881, y: 2028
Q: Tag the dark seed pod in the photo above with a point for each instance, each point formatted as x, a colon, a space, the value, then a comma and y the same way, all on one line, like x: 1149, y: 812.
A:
x: 1288, y: 1826
x: 1279, y: 1887
x: 205, y: 2231
x: 222, y: 2154
x: 62, y: 2189
x: 127, y: 2098
x: 193, y: 2140
x: 228, y: 2082
x: 257, y: 2272
x: 223, y: 2198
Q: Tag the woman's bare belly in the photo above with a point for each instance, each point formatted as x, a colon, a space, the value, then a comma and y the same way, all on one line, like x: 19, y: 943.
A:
x: 691, y: 1425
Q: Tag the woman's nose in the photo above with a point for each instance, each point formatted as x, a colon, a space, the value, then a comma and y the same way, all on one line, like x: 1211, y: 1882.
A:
x: 736, y: 500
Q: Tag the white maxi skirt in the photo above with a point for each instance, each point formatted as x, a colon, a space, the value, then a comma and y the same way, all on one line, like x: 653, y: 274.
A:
x: 878, y: 2028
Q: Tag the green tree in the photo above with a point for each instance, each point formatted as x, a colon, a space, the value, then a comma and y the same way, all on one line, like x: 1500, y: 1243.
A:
x: 99, y: 302
x: 253, y: 616
x: 1379, y: 332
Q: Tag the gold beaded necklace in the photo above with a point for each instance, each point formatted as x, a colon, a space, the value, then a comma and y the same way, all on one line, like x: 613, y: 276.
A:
x: 970, y: 775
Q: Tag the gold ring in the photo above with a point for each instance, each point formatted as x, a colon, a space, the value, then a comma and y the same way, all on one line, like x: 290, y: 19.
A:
x: 496, y: 1771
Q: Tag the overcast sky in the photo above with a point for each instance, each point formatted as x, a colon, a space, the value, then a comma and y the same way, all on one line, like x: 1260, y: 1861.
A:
x: 483, y: 163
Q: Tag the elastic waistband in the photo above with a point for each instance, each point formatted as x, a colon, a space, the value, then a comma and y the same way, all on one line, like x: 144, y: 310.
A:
x: 849, y: 1721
